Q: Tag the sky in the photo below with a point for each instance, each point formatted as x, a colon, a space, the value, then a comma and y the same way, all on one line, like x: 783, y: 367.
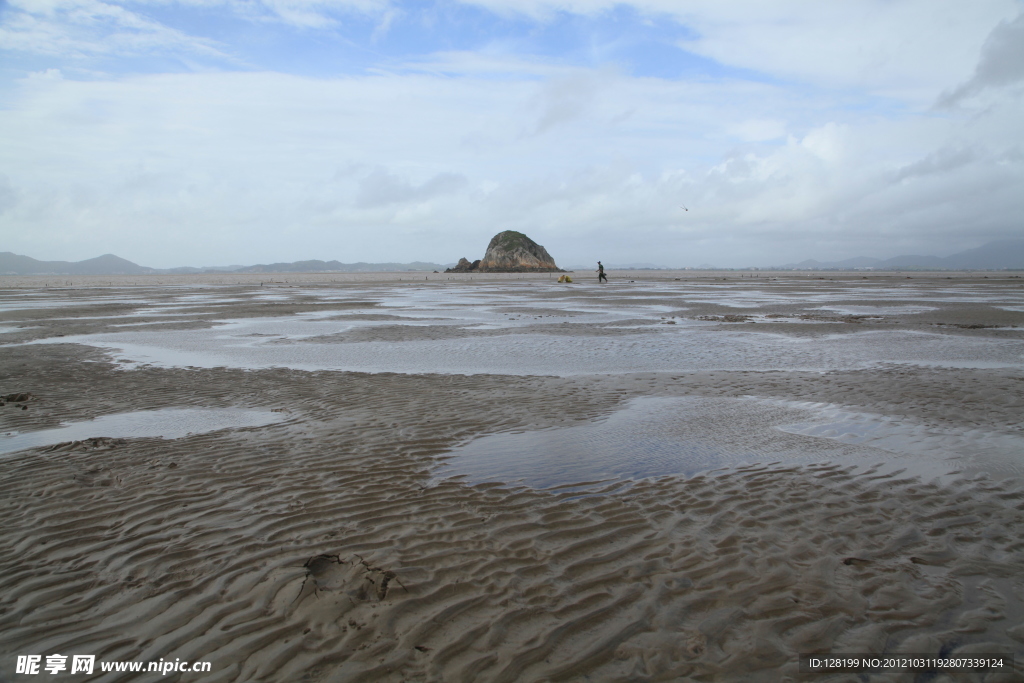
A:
x: 217, y: 132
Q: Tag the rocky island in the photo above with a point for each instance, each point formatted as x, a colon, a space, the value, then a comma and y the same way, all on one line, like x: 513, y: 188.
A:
x: 510, y: 252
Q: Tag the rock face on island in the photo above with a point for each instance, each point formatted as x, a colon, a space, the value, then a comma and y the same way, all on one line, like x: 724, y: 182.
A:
x: 464, y: 266
x: 510, y: 252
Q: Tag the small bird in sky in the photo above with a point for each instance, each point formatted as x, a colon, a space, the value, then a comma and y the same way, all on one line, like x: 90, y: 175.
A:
x: 684, y: 208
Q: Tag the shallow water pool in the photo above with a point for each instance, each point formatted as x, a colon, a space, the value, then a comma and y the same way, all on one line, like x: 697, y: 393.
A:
x: 167, y: 423
x: 682, y: 436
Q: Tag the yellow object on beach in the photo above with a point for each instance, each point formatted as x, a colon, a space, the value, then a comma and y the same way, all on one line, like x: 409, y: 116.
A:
x: 564, y: 278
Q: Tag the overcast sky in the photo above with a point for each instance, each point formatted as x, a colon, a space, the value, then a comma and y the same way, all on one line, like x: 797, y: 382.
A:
x: 215, y: 132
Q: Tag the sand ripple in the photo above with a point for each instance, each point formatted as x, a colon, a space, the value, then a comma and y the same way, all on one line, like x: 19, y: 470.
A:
x: 321, y: 547
x: 345, y: 566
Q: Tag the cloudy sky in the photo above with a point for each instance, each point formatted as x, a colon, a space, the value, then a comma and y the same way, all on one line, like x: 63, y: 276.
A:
x: 214, y: 132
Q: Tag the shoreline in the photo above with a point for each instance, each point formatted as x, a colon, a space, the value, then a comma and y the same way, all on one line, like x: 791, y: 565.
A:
x: 616, y: 276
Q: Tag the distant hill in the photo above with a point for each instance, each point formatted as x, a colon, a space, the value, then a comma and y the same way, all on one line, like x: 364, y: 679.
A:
x: 335, y: 266
x: 857, y: 262
x: 998, y: 255
x: 108, y: 264
x: 621, y: 266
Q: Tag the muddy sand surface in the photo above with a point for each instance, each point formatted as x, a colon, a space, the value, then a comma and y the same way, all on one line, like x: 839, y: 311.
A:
x: 669, y: 477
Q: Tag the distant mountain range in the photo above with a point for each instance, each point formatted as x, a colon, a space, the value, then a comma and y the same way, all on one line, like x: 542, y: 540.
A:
x: 108, y: 264
x: 620, y: 266
x: 998, y: 255
x: 315, y: 266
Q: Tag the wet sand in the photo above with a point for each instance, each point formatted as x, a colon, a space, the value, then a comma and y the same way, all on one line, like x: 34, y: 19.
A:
x: 342, y: 543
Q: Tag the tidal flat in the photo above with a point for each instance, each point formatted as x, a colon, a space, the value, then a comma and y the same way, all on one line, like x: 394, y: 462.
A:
x: 436, y: 477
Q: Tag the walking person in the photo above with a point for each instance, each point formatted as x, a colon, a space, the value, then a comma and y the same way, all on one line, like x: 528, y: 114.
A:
x: 601, y: 277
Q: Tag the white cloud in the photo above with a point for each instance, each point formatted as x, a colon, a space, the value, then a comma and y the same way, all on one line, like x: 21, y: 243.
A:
x: 382, y: 188
x: 425, y: 160
x: 178, y: 169
x: 911, y: 49
x: 313, y: 14
x: 758, y: 130
x: 76, y: 28
x: 79, y: 28
x: 384, y: 25
x: 564, y: 99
